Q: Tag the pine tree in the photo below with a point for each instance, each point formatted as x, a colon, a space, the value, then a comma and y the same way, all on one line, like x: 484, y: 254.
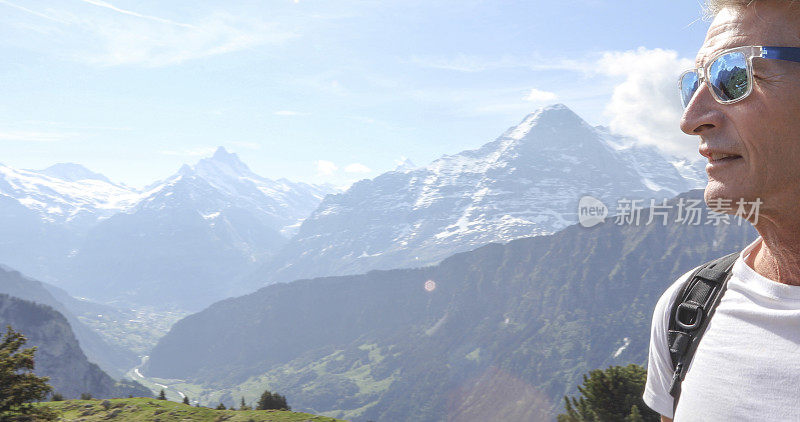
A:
x: 634, y: 416
x: 19, y: 386
x: 162, y: 395
x: 185, y: 399
x: 613, y: 394
x: 271, y: 400
x: 221, y: 407
x: 243, y: 405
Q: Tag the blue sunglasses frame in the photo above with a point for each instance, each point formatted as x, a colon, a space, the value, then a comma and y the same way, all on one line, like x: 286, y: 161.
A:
x: 791, y: 54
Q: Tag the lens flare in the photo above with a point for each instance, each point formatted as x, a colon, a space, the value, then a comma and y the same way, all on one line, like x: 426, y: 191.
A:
x: 430, y: 285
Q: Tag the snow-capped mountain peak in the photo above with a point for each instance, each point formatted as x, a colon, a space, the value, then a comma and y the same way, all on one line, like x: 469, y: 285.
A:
x: 526, y: 182
x: 223, y: 181
x: 223, y: 170
x: 405, y: 164
x: 221, y: 155
x: 223, y: 163
x: 553, y: 116
x: 72, y: 172
x: 66, y: 193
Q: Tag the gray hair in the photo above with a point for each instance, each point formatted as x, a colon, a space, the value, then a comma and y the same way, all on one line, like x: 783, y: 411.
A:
x: 712, y: 7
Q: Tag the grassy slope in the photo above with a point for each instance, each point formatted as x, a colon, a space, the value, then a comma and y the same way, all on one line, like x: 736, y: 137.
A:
x: 145, y: 409
x: 323, y: 375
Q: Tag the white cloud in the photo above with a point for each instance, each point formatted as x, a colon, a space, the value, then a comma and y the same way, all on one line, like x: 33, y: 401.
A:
x: 645, y: 105
x: 357, y: 168
x: 325, y: 168
x: 154, y: 45
x: 28, y: 136
x: 538, y: 96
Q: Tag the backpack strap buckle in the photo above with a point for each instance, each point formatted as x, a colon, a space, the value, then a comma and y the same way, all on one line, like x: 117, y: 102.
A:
x: 694, y: 311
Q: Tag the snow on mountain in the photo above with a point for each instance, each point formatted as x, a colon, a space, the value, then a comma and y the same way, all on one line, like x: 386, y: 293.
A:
x: 404, y: 165
x: 694, y: 171
x: 659, y: 172
x: 283, y: 204
x: 171, y: 243
x: 526, y: 182
x: 66, y: 193
x: 72, y: 172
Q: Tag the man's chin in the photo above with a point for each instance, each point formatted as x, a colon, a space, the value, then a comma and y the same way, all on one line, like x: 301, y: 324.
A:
x: 719, y: 193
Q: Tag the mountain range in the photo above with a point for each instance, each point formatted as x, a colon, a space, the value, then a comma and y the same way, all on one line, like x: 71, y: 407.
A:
x: 417, y: 289
x: 216, y: 229
x: 526, y: 182
x: 173, y: 243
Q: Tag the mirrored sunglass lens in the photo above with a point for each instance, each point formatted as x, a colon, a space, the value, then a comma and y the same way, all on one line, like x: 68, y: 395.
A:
x: 728, y: 76
x: 689, y: 82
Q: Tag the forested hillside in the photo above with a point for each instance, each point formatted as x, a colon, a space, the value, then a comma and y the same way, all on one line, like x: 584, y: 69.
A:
x: 513, y: 324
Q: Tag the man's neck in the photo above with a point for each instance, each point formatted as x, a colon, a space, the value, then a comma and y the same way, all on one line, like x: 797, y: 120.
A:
x: 777, y: 257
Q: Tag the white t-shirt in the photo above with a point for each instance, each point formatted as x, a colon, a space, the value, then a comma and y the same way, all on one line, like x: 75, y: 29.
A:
x: 747, y: 365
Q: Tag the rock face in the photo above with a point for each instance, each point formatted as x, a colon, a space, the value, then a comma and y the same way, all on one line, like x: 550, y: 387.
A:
x: 425, y: 344
x: 58, y: 355
x: 526, y: 182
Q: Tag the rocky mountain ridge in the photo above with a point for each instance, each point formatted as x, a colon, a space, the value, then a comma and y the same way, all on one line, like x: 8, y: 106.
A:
x: 526, y: 182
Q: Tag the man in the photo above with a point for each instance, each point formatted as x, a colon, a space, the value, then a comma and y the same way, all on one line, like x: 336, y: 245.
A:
x: 747, y: 365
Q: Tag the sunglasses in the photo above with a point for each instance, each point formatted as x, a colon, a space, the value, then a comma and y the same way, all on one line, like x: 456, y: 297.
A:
x: 729, y: 74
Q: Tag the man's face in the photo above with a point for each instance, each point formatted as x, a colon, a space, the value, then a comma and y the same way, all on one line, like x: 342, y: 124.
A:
x: 762, y: 132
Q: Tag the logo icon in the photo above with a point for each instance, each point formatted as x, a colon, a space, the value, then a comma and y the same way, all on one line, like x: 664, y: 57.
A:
x: 591, y: 211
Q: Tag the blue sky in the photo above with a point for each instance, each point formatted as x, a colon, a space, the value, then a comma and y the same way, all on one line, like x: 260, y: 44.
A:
x: 325, y: 91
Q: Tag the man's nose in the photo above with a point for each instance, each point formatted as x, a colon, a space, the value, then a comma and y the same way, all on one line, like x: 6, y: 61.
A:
x: 702, y: 113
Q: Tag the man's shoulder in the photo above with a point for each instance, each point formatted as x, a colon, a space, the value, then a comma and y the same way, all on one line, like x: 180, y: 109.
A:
x: 668, y: 297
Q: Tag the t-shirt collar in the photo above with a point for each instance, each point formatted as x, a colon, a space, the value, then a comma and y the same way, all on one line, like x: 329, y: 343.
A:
x: 756, y: 283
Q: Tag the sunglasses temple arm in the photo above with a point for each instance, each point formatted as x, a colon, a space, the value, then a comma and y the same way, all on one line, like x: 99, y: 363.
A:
x: 791, y: 54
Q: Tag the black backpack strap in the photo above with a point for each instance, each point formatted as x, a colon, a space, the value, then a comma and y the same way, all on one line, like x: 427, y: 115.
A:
x: 692, y: 310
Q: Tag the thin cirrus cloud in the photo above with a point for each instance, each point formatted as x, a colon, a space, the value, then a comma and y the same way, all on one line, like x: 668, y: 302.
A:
x: 472, y: 64
x: 138, y: 15
x: 289, y: 113
x: 102, y: 34
x: 30, y: 11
